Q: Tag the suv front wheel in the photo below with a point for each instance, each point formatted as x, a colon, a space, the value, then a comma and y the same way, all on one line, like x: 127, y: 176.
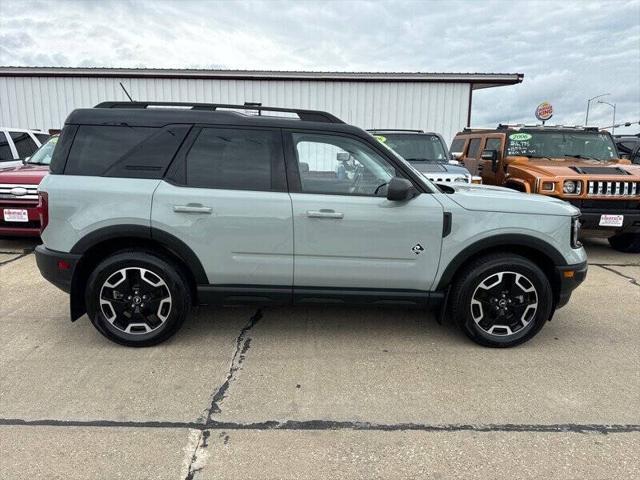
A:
x: 136, y: 298
x: 501, y: 300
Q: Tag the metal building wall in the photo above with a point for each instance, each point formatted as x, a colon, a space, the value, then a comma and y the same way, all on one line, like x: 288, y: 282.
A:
x: 44, y: 102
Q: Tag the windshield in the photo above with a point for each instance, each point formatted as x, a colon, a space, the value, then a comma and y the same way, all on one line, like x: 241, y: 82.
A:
x: 415, y: 147
x: 559, y: 144
x: 42, y: 156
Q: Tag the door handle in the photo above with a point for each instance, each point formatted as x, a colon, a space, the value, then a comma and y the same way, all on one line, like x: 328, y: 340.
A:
x: 324, y: 213
x: 191, y: 208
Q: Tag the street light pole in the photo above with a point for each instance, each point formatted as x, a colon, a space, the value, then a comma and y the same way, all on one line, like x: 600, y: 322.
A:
x: 612, y: 105
x: 586, y: 120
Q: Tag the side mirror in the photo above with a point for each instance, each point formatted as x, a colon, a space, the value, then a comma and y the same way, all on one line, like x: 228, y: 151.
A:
x: 491, y: 155
x: 400, y: 190
x: 342, y: 156
x: 456, y: 155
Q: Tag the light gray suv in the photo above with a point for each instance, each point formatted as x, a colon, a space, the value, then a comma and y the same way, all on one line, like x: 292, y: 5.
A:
x: 151, y: 208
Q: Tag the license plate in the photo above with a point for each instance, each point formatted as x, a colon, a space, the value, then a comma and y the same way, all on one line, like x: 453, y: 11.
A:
x: 15, y: 215
x: 611, y: 220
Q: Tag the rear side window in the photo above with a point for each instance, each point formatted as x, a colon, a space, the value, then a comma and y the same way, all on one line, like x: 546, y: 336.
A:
x: 5, y: 150
x: 474, y: 146
x: 95, y: 149
x: 457, y: 145
x: 233, y: 159
x: 24, y: 143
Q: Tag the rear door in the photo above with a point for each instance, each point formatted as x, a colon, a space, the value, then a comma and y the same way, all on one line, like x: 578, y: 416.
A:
x: 226, y: 198
x: 346, y: 233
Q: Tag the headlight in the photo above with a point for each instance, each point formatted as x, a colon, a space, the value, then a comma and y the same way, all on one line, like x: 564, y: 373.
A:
x: 575, y: 232
x: 572, y: 187
x: 460, y: 179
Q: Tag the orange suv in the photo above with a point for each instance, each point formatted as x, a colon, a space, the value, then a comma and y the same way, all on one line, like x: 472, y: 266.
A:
x: 580, y: 165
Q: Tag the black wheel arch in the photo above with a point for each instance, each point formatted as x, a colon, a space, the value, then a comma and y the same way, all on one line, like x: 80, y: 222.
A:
x: 100, y: 243
x: 546, y: 256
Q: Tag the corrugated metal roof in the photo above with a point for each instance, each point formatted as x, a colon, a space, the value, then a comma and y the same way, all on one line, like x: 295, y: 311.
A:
x: 480, y: 80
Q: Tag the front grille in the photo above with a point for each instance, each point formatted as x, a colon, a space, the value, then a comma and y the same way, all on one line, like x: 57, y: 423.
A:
x: 30, y: 191
x: 613, y: 189
x: 447, y: 179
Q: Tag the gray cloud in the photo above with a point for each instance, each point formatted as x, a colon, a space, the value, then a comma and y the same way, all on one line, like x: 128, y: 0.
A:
x: 568, y: 50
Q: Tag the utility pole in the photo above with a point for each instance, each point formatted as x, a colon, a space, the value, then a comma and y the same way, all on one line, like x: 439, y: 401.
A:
x: 586, y: 120
x: 612, y: 105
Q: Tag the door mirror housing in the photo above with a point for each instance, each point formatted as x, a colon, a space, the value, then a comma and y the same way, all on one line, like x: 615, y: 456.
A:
x: 456, y: 155
x: 400, y: 190
x: 491, y: 155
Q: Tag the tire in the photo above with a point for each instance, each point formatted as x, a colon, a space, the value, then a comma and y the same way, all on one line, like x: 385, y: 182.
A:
x: 626, y: 242
x: 137, y: 276
x: 491, y: 319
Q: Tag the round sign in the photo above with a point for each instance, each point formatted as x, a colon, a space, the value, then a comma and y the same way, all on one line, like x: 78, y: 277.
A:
x: 544, y: 111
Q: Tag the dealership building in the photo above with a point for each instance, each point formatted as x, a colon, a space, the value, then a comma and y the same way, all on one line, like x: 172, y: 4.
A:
x: 441, y: 102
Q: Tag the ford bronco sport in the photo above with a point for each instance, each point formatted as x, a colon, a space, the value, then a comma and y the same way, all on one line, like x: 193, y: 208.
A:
x: 576, y: 164
x: 148, y: 211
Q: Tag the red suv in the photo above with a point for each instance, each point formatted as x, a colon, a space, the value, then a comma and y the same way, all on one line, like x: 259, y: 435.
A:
x: 19, y: 208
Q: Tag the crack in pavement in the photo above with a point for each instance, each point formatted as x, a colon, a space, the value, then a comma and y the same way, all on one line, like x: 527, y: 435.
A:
x: 632, y: 280
x: 22, y: 255
x: 243, y: 343
x: 328, y: 425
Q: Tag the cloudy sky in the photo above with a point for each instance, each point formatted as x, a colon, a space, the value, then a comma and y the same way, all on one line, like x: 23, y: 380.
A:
x: 568, y: 51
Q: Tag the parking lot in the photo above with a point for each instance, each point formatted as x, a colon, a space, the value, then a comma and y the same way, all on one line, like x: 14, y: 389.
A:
x: 322, y: 392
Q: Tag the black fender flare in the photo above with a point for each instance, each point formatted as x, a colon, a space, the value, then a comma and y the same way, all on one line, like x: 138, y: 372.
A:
x: 508, y: 240
x: 163, y: 238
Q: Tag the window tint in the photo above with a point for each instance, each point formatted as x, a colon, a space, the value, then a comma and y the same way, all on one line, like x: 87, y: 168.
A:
x: 96, y: 148
x: 42, y: 137
x: 474, y: 146
x: 457, y: 145
x: 24, y: 143
x: 5, y: 151
x: 340, y: 166
x: 493, y: 144
x: 233, y: 159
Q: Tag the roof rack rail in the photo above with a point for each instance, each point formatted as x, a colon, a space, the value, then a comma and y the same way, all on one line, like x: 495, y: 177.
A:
x: 373, y: 130
x: 304, y: 115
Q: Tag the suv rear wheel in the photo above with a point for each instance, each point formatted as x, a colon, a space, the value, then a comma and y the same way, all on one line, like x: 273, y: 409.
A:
x: 626, y: 242
x: 501, y: 300
x: 136, y: 298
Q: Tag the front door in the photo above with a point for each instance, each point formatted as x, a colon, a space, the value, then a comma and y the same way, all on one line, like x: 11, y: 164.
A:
x: 346, y: 233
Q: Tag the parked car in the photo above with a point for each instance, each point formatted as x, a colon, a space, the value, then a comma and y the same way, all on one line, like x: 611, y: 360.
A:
x: 19, y: 211
x: 427, y: 152
x: 150, y: 210
x: 16, y: 143
x: 629, y: 147
x: 577, y: 164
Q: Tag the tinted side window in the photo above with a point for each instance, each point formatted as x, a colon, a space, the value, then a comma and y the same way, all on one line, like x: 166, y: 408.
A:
x: 96, y: 148
x: 474, y: 146
x: 5, y: 151
x: 233, y: 159
x: 493, y: 144
x: 24, y: 143
x: 457, y: 145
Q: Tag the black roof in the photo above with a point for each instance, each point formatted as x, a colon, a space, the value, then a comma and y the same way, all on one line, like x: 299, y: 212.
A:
x: 167, y: 113
x: 399, y: 130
